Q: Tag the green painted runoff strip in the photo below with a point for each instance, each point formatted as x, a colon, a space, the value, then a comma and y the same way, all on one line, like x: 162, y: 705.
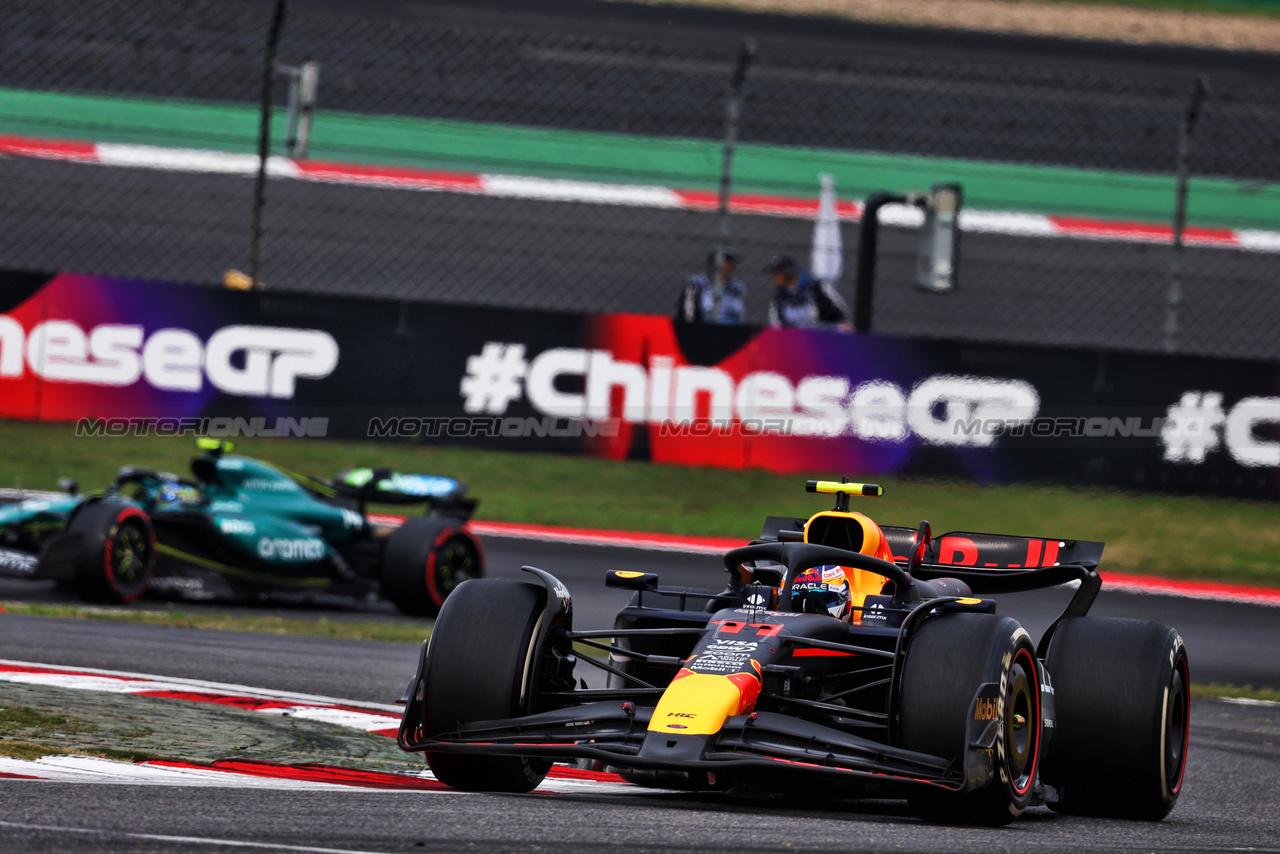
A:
x: 627, y: 158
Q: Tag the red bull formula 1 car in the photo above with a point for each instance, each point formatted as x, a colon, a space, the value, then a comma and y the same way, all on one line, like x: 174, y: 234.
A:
x: 909, y: 685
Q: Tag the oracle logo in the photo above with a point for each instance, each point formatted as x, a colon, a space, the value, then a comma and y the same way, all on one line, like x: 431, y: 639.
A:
x: 247, y: 361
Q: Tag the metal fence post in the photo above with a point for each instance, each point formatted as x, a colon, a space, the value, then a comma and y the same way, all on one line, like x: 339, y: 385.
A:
x: 308, y: 86
x: 868, y: 232
x: 290, y: 73
x: 732, y: 113
x: 1173, y: 301
x: 264, y: 142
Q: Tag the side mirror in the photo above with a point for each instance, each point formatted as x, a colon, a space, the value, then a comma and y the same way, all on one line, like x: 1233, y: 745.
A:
x: 628, y: 580
x: 771, y: 576
x: 937, y: 261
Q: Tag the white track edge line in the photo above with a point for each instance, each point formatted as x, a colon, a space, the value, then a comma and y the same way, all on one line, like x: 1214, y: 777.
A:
x: 221, y: 687
x: 188, y: 840
x: 1013, y: 223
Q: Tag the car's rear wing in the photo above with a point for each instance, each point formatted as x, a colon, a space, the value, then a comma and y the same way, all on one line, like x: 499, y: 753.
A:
x: 988, y: 563
x: 383, y: 486
x: 994, y: 551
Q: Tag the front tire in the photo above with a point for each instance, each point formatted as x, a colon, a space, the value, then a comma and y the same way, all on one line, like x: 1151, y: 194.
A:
x: 478, y: 669
x: 118, y: 558
x: 1122, y: 693
x: 425, y: 560
x: 949, y: 657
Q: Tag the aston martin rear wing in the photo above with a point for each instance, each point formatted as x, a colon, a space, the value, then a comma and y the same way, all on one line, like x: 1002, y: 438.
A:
x: 444, y: 495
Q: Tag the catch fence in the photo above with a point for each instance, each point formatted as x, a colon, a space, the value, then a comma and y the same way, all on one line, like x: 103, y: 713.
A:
x: 495, y: 155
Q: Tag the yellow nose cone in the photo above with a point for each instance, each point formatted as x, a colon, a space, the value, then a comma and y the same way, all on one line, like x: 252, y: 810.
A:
x: 699, y: 703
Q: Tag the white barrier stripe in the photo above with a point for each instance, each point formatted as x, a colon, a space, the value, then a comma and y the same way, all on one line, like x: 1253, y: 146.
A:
x: 585, y: 192
x: 1012, y: 223
x: 191, y: 160
x: 1007, y: 222
x: 1259, y: 241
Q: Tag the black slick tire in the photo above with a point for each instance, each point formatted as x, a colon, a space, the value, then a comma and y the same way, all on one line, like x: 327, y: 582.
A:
x: 426, y: 558
x: 948, y: 659
x: 478, y: 669
x: 118, y: 557
x: 1122, y: 691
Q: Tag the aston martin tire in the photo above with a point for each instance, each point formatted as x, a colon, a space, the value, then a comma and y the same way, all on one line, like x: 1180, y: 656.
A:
x: 425, y: 560
x: 118, y: 557
x: 478, y: 670
x: 948, y: 659
x: 1122, y: 691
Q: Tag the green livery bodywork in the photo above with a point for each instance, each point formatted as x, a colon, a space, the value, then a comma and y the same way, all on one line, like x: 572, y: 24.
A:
x: 243, y: 526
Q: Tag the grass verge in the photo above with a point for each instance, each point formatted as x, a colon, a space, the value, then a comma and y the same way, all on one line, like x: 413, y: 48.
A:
x: 370, y: 630
x: 25, y: 729
x: 1188, y: 537
x: 1234, y: 692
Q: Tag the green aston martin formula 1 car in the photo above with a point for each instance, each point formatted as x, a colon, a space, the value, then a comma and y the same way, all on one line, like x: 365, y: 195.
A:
x: 242, y: 527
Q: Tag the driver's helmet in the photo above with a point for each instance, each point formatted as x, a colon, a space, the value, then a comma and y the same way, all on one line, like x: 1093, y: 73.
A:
x: 177, y: 492
x: 822, y: 590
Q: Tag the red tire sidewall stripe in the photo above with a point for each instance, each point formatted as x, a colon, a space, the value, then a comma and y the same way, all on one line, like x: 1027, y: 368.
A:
x: 475, y: 541
x: 432, y: 588
x: 464, y: 532
x: 1186, y: 723
x: 121, y: 517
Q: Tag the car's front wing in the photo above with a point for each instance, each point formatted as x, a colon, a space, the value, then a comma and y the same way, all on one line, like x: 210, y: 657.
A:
x: 763, y: 742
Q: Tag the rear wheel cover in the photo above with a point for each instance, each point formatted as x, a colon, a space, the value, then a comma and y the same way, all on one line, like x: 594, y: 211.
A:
x: 1022, y: 723
x: 450, y: 563
x: 129, y: 556
x: 117, y: 561
x: 948, y: 660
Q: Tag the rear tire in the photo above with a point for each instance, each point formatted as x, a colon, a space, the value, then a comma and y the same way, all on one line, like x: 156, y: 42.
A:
x: 477, y: 670
x: 425, y: 560
x: 949, y: 657
x: 118, y: 559
x: 1122, y: 692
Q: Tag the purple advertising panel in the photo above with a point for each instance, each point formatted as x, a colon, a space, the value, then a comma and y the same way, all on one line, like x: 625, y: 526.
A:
x: 121, y: 356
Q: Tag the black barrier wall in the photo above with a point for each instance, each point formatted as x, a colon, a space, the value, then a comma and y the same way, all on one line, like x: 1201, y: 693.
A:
x: 124, y: 356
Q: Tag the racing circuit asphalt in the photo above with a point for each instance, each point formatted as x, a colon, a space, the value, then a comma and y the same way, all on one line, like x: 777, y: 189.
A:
x: 1228, y: 643
x: 1233, y: 778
